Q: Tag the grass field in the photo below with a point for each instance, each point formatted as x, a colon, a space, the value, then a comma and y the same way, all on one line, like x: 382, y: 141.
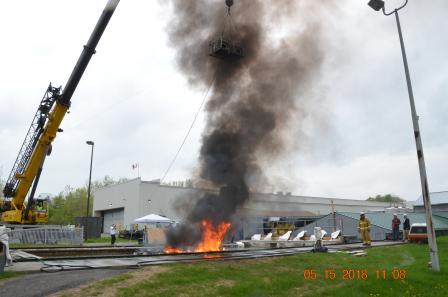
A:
x: 106, y: 240
x: 402, y: 271
x: 9, y: 274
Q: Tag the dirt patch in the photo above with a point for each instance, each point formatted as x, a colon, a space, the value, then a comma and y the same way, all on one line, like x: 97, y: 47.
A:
x: 266, y: 280
x: 109, y: 287
x: 228, y: 283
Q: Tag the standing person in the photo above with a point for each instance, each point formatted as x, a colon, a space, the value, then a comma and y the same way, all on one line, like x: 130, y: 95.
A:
x: 364, y: 229
x: 113, y: 231
x: 406, y: 227
x: 4, y: 240
x: 395, y: 227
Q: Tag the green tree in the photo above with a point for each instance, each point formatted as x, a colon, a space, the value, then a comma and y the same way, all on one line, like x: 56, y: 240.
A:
x: 107, y: 181
x: 386, y: 198
x: 68, y: 205
x: 72, y: 202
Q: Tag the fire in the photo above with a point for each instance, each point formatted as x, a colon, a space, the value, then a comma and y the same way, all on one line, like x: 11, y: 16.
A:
x: 211, y: 238
x: 172, y: 250
x: 212, y: 256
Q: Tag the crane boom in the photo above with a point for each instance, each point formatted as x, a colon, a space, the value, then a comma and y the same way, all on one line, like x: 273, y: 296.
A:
x: 44, y: 127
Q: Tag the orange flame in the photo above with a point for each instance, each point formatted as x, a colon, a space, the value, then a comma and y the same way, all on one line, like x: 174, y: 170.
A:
x: 172, y: 250
x: 211, y: 239
x: 212, y: 256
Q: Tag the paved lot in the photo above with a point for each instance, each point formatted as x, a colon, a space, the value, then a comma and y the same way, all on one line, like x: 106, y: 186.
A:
x: 44, y: 284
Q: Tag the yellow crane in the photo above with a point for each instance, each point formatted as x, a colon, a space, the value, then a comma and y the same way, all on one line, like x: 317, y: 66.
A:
x: 46, y: 123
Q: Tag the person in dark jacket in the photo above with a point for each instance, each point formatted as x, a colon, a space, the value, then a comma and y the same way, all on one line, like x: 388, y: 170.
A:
x: 395, y: 227
x: 406, y: 228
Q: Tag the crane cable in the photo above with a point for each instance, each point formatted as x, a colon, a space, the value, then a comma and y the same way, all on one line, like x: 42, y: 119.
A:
x: 228, y: 21
x: 212, y: 82
x: 232, y: 26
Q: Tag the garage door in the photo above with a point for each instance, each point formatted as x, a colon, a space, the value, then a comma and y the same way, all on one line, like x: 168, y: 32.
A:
x: 114, y: 216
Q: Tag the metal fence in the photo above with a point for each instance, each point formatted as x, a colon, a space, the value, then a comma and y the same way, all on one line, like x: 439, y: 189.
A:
x: 53, y: 235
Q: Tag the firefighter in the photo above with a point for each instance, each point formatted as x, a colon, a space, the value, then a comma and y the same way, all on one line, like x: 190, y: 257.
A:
x: 364, y: 229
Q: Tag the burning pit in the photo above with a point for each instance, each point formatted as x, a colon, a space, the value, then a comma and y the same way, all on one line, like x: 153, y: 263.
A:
x: 212, y: 239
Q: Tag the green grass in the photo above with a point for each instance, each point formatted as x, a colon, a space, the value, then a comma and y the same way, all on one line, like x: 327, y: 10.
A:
x: 9, y: 274
x: 284, y: 276
x: 106, y: 240
x: 101, y: 240
x: 101, y: 286
x: 37, y: 245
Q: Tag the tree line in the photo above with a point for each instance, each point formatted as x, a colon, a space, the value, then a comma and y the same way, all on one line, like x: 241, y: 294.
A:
x: 72, y: 202
x: 386, y: 198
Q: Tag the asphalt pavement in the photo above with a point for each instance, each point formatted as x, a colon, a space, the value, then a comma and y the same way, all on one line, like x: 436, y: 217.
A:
x: 44, y: 284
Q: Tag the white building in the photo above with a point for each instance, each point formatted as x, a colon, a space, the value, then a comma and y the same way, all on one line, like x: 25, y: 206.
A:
x: 439, y: 202
x: 122, y: 203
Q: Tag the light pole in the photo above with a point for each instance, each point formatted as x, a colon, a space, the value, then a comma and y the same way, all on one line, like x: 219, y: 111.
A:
x: 92, y: 144
x: 433, y: 252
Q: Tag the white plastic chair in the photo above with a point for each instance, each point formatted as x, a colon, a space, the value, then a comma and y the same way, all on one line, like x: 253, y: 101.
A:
x: 268, y: 237
x: 300, y: 235
x: 285, y: 236
x: 335, y: 234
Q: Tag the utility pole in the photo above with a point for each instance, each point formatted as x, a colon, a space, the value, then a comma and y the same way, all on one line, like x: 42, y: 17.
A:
x: 334, y: 216
x: 92, y: 144
x: 433, y: 251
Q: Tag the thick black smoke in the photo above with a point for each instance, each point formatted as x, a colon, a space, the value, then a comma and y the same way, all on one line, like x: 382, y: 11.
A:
x: 253, y: 98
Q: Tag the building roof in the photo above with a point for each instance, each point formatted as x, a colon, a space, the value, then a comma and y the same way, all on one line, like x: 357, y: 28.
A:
x: 275, y: 213
x: 443, y: 214
x: 289, y: 197
x: 384, y: 220
x: 436, y: 198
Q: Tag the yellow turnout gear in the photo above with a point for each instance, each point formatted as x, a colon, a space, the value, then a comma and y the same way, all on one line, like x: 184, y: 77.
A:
x: 364, y: 229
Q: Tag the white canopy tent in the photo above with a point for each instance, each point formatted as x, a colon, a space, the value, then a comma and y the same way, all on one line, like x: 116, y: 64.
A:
x: 153, y: 219
x: 154, y: 233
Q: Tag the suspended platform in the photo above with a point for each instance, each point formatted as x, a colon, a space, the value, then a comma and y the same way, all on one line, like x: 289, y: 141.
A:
x: 224, y: 49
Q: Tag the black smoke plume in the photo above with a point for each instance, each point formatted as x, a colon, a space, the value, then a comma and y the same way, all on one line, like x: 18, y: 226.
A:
x: 253, y: 98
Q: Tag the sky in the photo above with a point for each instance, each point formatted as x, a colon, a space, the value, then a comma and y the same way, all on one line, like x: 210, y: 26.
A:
x: 136, y: 106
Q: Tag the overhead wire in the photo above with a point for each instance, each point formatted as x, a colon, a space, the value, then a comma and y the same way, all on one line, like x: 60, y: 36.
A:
x: 189, y: 129
x: 228, y: 21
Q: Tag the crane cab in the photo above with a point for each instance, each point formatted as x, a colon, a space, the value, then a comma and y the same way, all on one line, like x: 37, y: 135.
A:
x: 39, y: 211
